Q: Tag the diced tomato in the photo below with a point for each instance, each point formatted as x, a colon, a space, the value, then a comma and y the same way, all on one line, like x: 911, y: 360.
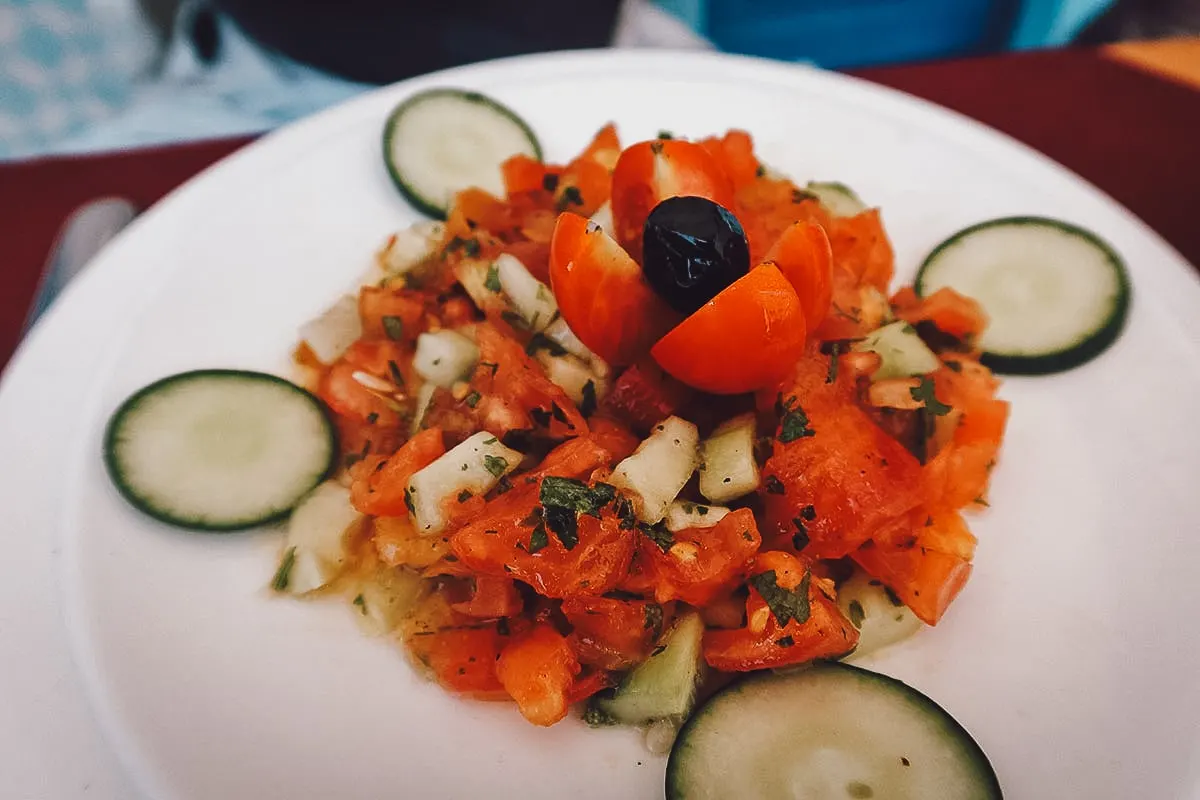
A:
x: 602, y: 293
x: 764, y: 310
x: 389, y: 313
x: 960, y: 472
x: 926, y: 580
x: 347, y: 396
x: 838, y: 479
x: 649, y: 172
x: 613, y: 437
x: 764, y: 643
x: 944, y: 531
x: 804, y: 256
x: 463, y: 660
x: 517, y: 393
x: 954, y: 314
x: 767, y: 207
x: 537, y: 669
x: 523, y: 174
x: 587, y: 684
x: 734, y: 153
x: 861, y: 248
x: 473, y: 211
x: 703, y: 563
x: 491, y: 597
x: 613, y: 634
x: 378, y: 484
x: 644, y: 396
x: 398, y: 544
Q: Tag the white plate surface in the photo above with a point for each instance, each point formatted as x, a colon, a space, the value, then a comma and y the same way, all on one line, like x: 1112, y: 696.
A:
x: 1072, y: 655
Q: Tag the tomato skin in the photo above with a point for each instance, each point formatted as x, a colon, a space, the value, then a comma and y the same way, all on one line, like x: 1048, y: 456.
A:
x: 537, y: 670
x: 805, y: 258
x: 587, y: 684
x: 644, y: 396
x: 602, y: 293
x: 613, y: 437
x: 378, y: 484
x: 861, y: 249
x: 745, y: 338
x: 404, y: 305
x: 649, y: 172
x: 734, y: 153
x: 926, y: 580
x: 703, y: 563
x: 764, y: 644
x: 613, y: 634
x: 463, y: 660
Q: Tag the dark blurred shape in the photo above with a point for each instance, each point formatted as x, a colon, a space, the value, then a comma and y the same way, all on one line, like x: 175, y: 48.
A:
x: 205, y: 35
x: 380, y: 41
x: 1143, y: 19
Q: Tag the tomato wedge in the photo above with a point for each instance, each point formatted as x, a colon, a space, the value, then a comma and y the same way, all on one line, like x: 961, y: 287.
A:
x: 747, y: 337
x: 602, y: 294
x: 649, y: 172
x: 805, y: 258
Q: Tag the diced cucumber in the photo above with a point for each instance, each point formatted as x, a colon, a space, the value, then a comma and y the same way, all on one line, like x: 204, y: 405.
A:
x: 385, y: 597
x: 682, y: 515
x: 659, y: 468
x: 219, y: 450
x: 1056, y: 295
x: 331, y: 334
x: 481, y: 281
x: 561, y: 334
x: 405, y: 251
x: 828, y: 731
x: 315, y: 550
x: 881, y: 618
x: 838, y: 198
x: 573, y: 376
x: 475, y: 465
x: 444, y: 357
x: 530, y: 298
x: 728, y: 469
x: 901, y: 351
x: 664, y: 685
x: 441, y: 141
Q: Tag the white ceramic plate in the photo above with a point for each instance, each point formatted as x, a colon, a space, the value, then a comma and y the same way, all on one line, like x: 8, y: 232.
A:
x: 1072, y: 655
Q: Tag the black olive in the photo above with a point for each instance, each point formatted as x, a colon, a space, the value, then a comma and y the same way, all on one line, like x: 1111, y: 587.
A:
x: 692, y: 248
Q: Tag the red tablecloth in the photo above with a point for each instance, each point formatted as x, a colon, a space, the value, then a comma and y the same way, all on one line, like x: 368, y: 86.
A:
x: 1135, y: 136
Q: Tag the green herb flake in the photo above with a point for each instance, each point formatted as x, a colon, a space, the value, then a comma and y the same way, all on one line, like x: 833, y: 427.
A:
x: 596, y: 718
x: 794, y: 422
x: 953, y: 366
x: 834, y: 356
x: 749, y: 537
x: 587, y: 405
x: 654, y: 618
x: 892, y: 597
x: 283, y: 575
x: 497, y: 465
x: 361, y: 602
x: 658, y: 534
x: 924, y: 392
x: 801, y: 196
x: 372, y: 418
x: 665, y: 135
x: 471, y: 247
x: 538, y: 540
x: 393, y: 327
x: 785, y: 605
x: 571, y: 196
x: 397, y: 375
x: 856, y: 614
x: 464, y: 496
x: 489, y: 366
x: 540, y: 341
x: 658, y: 650
x: 514, y: 319
x: 549, y: 181
x: 702, y: 510
x: 809, y: 513
x: 575, y: 495
x: 472, y: 400
x: 760, y: 171
x: 564, y: 524
x: 785, y: 641
x: 492, y: 281
x: 503, y: 485
x: 623, y: 508
x: 800, y: 538
x: 774, y: 485
x: 408, y: 500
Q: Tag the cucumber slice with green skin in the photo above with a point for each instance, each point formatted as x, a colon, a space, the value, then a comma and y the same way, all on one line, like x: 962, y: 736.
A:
x: 441, y: 141
x: 838, y: 198
x: 829, y: 731
x: 1056, y: 295
x: 219, y: 450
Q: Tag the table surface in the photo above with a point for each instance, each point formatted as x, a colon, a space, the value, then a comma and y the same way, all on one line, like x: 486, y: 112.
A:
x: 1124, y: 117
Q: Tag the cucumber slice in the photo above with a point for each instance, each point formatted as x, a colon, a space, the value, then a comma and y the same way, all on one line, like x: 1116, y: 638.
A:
x: 664, y: 685
x: 838, y: 198
x: 831, y: 730
x: 1056, y: 295
x: 441, y: 141
x: 219, y: 450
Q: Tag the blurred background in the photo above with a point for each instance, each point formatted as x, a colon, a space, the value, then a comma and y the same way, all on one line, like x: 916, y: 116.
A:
x: 94, y: 75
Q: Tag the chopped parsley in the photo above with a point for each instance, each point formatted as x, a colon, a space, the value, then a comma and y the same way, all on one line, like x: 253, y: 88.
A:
x: 587, y: 405
x: 495, y: 465
x: 665, y: 135
x: 658, y: 534
x: 564, y: 524
x: 472, y: 400
x: 283, y: 575
x: 464, y: 496
x: 809, y: 513
x: 785, y: 641
x: 784, y: 604
x: 372, y: 418
x: 623, y: 508
x: 834, y: 354
x: 492, y: 281
x: 540, y: 341
x: 408, y: 501
x: 924, y: 392
x: 892, y: 597
x: 489, y: 365
x: 468, y: 246
x: 503, y: 485
x: 538, y: 540
x: 514, y: 319
x: 774, y: 485
x: 397, y: 375
x: 856, y: 614
x: 801, y: 195
x: 595, y: 718
x: 760, y: 171
x: 793, y: 422
x: 800, y: 538
x: 393, y: 327
x: 571, y: 196
x: 549, y: 181
x: 361, y: 602
x: 575, y: 495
